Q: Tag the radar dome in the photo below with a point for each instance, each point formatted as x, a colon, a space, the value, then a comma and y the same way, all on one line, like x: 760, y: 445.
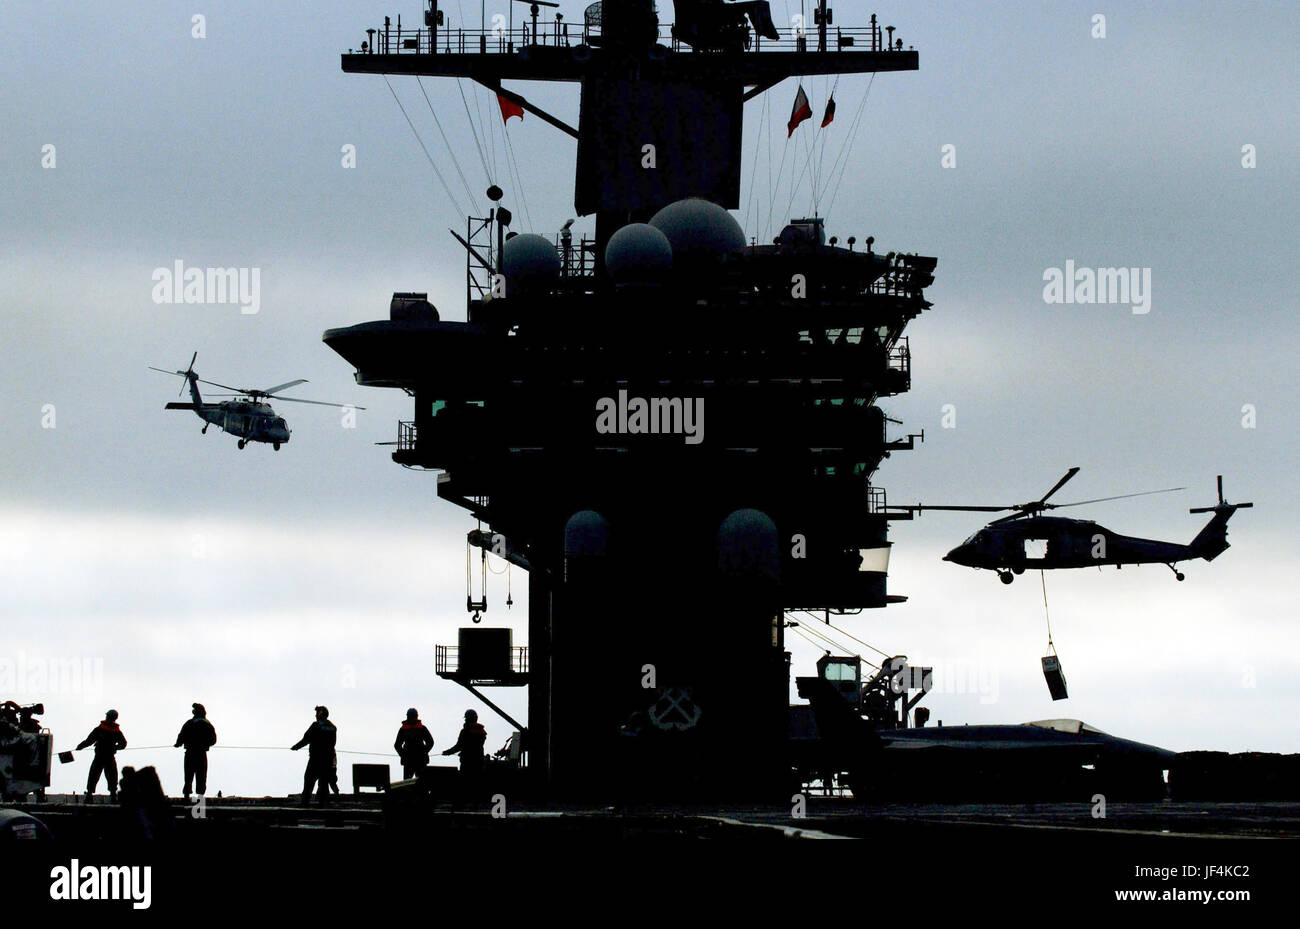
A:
x: 638, y: 254
x: 585, y: 534
x: 699, y: 231
x: 748, y: 545
x: 529, y: 261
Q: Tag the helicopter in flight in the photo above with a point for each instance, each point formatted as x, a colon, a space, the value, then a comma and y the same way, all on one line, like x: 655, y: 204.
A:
x: 1027, y: 539
x: 246, y: 416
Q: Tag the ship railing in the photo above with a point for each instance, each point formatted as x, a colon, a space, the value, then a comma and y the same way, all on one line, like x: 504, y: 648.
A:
x: 396, y: 40
x: 898, y: 281
x: 900, y: 358
x: 876, y: 502
x: 447, y: 659
x: 406, y: 436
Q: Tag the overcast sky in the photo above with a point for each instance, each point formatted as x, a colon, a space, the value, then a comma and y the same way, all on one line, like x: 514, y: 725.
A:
x: 262, y: 583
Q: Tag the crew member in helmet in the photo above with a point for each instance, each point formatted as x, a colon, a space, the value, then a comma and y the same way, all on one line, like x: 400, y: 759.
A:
x: 413, y: 745
x: 197, y: 736
x: 108, y: 740
x: 470, y: 745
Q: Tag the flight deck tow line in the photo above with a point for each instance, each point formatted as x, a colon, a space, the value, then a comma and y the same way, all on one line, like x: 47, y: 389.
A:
x: 260, y: 748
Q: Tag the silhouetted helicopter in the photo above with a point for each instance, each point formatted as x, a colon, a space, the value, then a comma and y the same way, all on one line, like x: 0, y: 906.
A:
x: 246, y: 416
x: 1026, y: 539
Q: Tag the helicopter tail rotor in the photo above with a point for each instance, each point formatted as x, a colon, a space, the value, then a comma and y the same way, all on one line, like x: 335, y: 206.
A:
x: 1223, y: 506
x: 188, y: 372
x: 1212, y: 540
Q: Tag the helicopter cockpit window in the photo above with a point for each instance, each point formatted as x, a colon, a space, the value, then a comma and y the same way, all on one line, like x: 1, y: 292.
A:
x: 974, y: 537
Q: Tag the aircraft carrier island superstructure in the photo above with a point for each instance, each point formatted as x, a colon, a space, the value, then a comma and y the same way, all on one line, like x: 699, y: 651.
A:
x: 671, y: 426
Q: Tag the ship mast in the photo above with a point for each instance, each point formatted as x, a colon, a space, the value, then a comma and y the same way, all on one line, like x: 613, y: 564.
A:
x: 675, y: 439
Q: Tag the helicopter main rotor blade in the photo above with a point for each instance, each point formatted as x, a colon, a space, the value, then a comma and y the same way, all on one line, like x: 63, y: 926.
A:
x: 920, y: 507
x: 1145, y: 493
x: 270, y: 391
x: 184, y: 374
x: 316, y: 402
x: 1058, y: 485
x: 1020, y: 513
x: 238, y: 390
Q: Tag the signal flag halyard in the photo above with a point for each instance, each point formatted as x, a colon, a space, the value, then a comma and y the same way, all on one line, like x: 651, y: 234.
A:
x: 509, y: 108
x: 830, y: 112
x: 802, y: 110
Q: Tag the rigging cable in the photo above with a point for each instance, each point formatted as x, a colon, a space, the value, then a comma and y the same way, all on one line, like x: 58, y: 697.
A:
x: 798, y: 630
x: 767, y: 123
x: 514, y: 166
x: 820, y: 177
x: 474, y: 130
x: 450, y: 151
x: 780, y: 171
x: 848, y: 144
x: 492, y: 129
x: 794, y: 185
x: 753, y: 171
x: 849, y: 634
x: 837, y: 646
x: 432, y: 164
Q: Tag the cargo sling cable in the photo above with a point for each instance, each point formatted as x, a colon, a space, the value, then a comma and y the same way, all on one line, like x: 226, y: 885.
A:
x: 1042, y: 576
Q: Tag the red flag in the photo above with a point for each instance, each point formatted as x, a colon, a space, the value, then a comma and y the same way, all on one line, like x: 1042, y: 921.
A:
x: 830, y: 112
x: 509, y: 108
x: 800, y: 112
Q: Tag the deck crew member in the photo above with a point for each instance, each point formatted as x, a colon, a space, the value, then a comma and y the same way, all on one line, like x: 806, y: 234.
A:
x: 470, y: 745
x: 108, y: 740
x: 413, y: 744
x: 196, y: 736
x: 319, y: 738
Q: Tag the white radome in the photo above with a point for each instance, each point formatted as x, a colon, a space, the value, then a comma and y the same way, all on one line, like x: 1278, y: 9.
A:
x: 698, y: 230
x: 529, y: 260
x: 638, y: 254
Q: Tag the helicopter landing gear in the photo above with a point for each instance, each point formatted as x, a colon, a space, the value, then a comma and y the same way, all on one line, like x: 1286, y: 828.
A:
x: 243, y: 442
x: 1006, y: 577
x: 1017, y: 571
x: 1178, y: 575
x: 276, y: 446
x: 204, y: 430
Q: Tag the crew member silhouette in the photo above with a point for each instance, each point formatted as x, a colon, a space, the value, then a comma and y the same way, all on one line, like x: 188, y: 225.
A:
x: 319, y: 739
x: 196, y: 736
x: 413, y: 744
x: 470, y: 745
x: 108, y: 740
